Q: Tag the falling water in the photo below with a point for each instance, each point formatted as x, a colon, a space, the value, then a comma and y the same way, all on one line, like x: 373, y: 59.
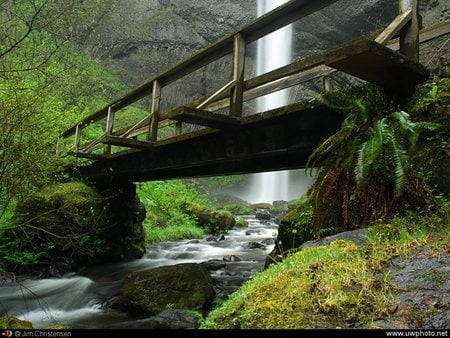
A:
x: 273, y: 51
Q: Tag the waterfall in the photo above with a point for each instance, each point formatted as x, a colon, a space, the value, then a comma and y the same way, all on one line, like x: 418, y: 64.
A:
x: 273, y: 51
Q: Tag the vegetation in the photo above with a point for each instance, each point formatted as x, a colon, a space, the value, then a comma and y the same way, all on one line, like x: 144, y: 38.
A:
x: 329, y: 286
x: 365, y: 170
x: 176, y: 210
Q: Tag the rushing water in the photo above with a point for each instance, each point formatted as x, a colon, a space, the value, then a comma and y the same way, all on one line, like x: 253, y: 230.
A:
x: 80, y: 299
x: 273, y: 51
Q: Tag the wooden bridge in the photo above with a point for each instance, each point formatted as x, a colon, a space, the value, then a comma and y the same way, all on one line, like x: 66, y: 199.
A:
x: 231, y: 143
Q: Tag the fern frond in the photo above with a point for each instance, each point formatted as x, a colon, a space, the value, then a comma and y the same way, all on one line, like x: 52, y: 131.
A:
x: 400, y: 162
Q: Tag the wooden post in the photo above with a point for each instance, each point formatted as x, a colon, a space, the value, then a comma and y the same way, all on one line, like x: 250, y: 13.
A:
x: 154, y: 114
x: 178, y: 128
x: 109, y: 128
x: 237, y: 91
x: 409, y: 34
x: 77, y: 137
x: 327, y: 84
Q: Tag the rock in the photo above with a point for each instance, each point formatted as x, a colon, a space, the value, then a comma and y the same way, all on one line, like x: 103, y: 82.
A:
x: 14, y: 323
x: 221, y: 238
x: 241, y: 223
x: 254, y: 245
x: 257, y: 206
x: 106, y: 225
x: 280, y: 206
x: 358, y: 236
x: 252, y: 232
x: 59, y: 266
x: 181, y: 286
x: 173, y: 319
x: 268, y: 241
x: 214, y: 264
x: 211, y: 238
x: 263, y: 214
x: 194, y: 241
x: 231, y: 258
x: 213, y: 220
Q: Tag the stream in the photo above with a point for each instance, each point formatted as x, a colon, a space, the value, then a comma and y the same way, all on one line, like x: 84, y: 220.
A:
x: 80, y: 300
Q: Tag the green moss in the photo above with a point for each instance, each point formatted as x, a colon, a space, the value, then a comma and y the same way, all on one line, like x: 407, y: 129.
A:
x: 328, y: 286
x: 241, y: 223
x: 14, y: 323
x: 59, y: 327
x: 238, y: 209
x: 213, y: 221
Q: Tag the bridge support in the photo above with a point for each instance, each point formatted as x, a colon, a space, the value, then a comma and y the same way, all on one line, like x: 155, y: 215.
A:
x: 409, y: 34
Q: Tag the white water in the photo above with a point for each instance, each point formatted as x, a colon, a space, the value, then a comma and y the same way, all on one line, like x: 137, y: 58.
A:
x: 273, y: 51
x: 78, y: 300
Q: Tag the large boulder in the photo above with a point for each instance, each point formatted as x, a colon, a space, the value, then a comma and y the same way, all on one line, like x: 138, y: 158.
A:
x: 14, y: 323
x: 68, y: 224
x: 181, y: 286
x: 215, y: 221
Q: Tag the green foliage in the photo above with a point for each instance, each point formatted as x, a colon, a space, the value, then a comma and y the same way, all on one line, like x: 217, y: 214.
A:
x: 238, y: 209
x: 14, y: 323
x: 329, y: 286
x: 167, y: 217
x: 364, y: 168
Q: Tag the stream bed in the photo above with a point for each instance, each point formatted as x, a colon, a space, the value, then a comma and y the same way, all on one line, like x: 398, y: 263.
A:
x: 81, y: 300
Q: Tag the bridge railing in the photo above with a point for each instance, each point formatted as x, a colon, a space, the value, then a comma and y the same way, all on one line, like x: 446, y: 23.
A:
x: 233, y: 93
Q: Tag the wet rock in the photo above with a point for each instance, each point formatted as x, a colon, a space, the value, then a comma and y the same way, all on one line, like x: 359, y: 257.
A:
x: 59, y: 266
x: 173, y: 319
x: 214, y: 264
x: 263, y: 214
x: 213, y: 220
x: 194, y: 241
x: 254, y: 245
x: 215, y: 238
x: 252, y: 232
x: 358, y: 237
x: 182, y: 286
x: 268, y: 241
x: 266, y: 206
x: 231, y: 258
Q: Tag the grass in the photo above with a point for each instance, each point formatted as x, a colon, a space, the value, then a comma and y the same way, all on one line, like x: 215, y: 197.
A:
x: 172, y: 233
x: 329, y: 286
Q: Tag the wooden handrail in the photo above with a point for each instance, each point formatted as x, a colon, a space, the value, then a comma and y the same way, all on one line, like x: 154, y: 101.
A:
x: 266, y: 24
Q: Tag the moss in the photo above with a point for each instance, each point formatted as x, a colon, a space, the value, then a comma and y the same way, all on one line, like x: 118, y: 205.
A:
x: 295, y: 228
x: 213, y: 220
x: 328, y: 286
x: 59, y: 327
x: 241, y: 223
x: 181, y: 286
x: 14, y: 323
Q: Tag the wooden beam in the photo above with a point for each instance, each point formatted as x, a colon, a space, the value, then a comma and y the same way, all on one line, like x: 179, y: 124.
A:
x: 217, y: 94
x: 201, y: 117
x: 393, y: 28
x: 89, y: 156
x: 127, y: 142
x: 237, y: 92
x: 77, y: 137
x: 109, y: 129
x: 426, y: 34
x: 409, y: 34
x: 274, y: 86
x: 156, y: 101
x: 179, y: 128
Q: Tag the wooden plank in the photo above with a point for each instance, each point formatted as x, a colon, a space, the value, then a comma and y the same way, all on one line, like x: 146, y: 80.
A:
x: 379, y: 65
x: 77, y: 137
x: 426, y: 34
x: 237, y: 92
x: 89, y: 156
x: 201, y: 117
x: 127, y: 142
x: 109, y: 129
x: 217, y: 94
x: 409, y: 34
x: 393, y: 28
x: 179, y: 129
x: 156, y: 101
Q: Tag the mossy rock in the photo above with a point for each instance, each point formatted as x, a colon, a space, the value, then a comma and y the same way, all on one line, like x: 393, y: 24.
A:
x: 60, y: 327
x: 73, y: 221
x: 242, y: 223
x: 213, y: 220
x: 181, y: 286
x: 14, y: 323
x: 295, y: 229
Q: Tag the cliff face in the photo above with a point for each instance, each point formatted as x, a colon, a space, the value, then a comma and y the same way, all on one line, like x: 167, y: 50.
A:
x: 146, y: 37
